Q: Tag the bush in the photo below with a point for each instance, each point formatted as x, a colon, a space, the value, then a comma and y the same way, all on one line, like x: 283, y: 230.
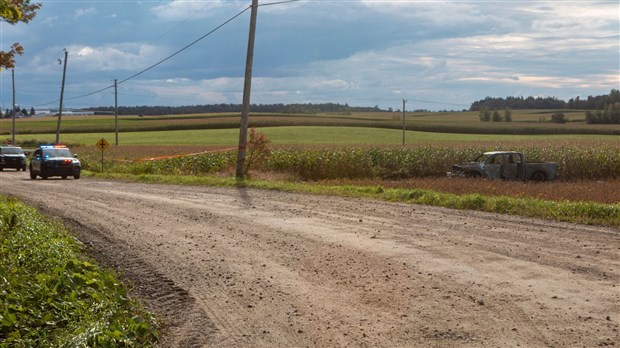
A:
x: 258, y: 150
x: 559, y: 117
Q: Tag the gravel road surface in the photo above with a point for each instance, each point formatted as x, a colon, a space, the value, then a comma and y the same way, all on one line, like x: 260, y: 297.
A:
x: 234, y: 267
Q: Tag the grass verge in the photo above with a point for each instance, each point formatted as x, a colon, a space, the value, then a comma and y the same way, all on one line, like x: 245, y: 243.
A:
x: 590, y: 213
x: 50, y: 296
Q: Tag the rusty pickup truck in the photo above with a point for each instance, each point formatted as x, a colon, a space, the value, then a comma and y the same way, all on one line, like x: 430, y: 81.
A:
x: 505, y: 165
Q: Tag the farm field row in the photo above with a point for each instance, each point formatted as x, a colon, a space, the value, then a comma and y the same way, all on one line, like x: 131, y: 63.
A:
x: 308, y: 135
x: 524, y: 122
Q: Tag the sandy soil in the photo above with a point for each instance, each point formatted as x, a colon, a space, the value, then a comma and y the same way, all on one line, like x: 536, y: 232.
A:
x: 250, y: 268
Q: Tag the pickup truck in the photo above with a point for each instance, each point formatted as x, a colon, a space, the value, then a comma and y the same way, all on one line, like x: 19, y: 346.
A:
x: 505, y: 165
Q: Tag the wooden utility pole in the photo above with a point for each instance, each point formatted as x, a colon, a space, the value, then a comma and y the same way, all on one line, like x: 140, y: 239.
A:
x: 62, y: 92
x: 13, y: 76
x: 245, y: 110
x: 116, y: 109
x: 404, y: 102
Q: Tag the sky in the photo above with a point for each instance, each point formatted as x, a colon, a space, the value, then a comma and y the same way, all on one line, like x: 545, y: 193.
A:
x: 436, y: 55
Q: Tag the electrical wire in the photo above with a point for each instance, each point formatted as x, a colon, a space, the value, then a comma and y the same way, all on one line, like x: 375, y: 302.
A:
x: 277, y: 3
x: 159, y: 62
x: 186, y: 47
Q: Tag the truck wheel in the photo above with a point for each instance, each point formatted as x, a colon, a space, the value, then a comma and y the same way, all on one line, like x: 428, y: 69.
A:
x: 76, y: 176
x: 539, y: 176
x: 32, y: 175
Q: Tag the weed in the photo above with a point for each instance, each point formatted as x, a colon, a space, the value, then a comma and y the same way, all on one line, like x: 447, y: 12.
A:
x: 51, y: 297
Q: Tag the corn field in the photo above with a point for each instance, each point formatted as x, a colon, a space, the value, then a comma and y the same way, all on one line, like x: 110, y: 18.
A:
x: 575, y: 162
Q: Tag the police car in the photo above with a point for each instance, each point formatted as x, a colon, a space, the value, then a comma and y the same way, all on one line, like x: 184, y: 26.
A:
x: 54, y: 160
x: 12, y: 157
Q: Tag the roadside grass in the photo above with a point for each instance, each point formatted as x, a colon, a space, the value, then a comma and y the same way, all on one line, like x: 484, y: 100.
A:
x: 566, y: 211
x: 51, y: 296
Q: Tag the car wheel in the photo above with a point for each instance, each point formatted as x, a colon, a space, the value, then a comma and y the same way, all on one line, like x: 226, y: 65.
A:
x: 76, y: 176
x: 64, y: 177
x: 44, y: 177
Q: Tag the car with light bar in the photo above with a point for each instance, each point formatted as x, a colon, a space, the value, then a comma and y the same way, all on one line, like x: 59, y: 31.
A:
x: 54, y: 160
x: 12, y: 157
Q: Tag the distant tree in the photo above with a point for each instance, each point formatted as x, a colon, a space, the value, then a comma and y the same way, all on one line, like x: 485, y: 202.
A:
x: 484, y: 114
x: 613, y: 113
x: 14, y: 11
x: 610, y: 115
x: 32, y: 111
x: 496, y: 116
x: 558, y: 117
x: 507, y: 114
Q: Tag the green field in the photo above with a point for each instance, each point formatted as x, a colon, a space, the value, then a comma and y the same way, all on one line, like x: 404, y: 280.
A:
x: 311, y: 135
x: 525, y: 122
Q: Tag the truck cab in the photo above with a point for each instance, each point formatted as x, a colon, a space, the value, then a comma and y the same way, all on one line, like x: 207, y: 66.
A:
x: 505, y: 165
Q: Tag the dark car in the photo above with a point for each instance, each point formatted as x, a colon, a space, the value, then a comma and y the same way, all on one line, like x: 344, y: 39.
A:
x: 54, y: 160
x: 12, y: 157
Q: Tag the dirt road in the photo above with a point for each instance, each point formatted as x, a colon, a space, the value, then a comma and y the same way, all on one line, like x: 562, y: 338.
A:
x: 251, y: 268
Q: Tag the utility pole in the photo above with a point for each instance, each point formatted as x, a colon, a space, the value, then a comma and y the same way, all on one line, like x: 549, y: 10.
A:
x: 116, y: 109
x: 404, y: 102
x: 245, y: 110
x: 62, y: 92
x: 13, y: 76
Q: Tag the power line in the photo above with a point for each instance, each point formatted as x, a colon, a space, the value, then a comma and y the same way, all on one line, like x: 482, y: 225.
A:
x: 184, y: 48
x: 159, y: 62
x: 278, y: 3
x: 180, y: 23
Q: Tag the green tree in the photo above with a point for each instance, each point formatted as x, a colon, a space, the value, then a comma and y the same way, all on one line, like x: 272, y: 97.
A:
x: 14, y: 11
x: 484, y: 114
x: 559, y: 117
x: 496, y: 116
x: 507, y: 114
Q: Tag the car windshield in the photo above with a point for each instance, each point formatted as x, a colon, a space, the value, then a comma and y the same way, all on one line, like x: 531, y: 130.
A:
x: 59, y: 152
x: 482, y: 158
x: 12, y: 150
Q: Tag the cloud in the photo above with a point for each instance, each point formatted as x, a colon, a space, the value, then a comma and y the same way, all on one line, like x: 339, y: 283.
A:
x: 89, y: 60
x: 83, y: 12
x: 181, y: 10
x: 364, y: 52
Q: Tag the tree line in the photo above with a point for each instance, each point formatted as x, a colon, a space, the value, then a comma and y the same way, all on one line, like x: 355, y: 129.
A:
x: 225, y: 108
x: 600, y: 102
